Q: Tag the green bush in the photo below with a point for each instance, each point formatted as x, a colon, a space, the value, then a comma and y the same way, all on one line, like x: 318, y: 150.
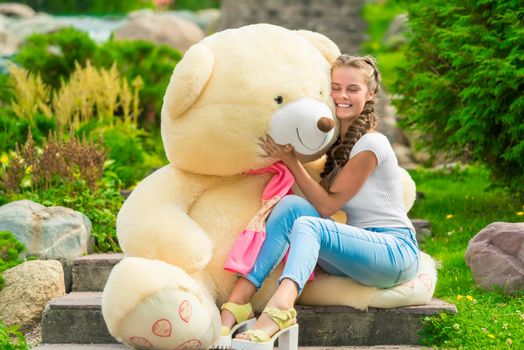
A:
x: 53, y: 56
x: 10, y: 251
x: 11, y: 338
x: 93, y: 7
x: 14, y: 130
x: 195, y: 5
x: 462, y: 80
x: 125, y: 146
x: 153, y: 63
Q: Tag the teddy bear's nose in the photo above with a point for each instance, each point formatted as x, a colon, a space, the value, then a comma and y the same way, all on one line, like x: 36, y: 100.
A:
x: 325, y: 124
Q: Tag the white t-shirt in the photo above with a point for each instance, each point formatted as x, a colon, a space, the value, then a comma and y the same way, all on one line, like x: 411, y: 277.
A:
x: 379, y: 203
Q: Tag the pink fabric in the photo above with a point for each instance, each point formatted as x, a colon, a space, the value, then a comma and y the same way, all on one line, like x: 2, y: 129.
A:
x: 246, y: 247
x: 245, y: 250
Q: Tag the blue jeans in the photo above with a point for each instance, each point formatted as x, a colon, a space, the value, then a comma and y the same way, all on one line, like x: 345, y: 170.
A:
x: 380, y: 257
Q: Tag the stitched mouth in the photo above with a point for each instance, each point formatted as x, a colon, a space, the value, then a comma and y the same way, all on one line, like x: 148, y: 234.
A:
x: 309, y: 148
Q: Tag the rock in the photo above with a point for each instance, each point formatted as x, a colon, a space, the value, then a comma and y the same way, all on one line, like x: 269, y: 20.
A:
x: 394, y: 37
x: 404, y: 155
x: 8, y: 41
x: 496, y: 257
x: 41, y: 23
x: 209, y: 19
x: 166, y: 29
x: 49, y: 232
x: 12, y: 9
x: 28, y: 287
x: 387, y: 124
x: 422, y: 229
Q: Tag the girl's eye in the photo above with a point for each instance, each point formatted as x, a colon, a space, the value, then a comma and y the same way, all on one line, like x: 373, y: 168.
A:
x: 279, y: 99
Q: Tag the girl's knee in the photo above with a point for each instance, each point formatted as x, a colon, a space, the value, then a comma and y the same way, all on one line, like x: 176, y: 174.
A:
x: 306, y: 225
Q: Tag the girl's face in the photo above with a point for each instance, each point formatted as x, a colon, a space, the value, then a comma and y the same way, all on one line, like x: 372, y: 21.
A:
x: 350, y: 92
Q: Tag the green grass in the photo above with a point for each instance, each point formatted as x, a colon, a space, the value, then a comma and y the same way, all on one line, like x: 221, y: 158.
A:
x: 460, y: 202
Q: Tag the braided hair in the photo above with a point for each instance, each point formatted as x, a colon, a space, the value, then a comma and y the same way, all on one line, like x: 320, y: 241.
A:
x: 338, y: 153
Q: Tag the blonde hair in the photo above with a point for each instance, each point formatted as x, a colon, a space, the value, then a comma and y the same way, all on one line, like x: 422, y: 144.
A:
x: 338, y: 153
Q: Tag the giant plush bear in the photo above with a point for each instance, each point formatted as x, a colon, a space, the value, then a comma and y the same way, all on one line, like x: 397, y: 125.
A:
x: 178, y: 225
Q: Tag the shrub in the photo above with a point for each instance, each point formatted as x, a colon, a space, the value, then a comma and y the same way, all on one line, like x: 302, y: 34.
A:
x: 59, y: 161
x: 153, y: 63
x: 14, y: 130
x: 11, y: 338
x: 88, y: 94
x: 462, y: 80
x: 94, y: 7
x: 53, y: 56
x: 88, y: 103
x: 195, y: 5
x: 125, y: 146
x: 10, y: 251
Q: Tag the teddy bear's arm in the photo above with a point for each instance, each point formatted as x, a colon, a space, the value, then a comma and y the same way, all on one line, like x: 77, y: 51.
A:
x: 153, y: 222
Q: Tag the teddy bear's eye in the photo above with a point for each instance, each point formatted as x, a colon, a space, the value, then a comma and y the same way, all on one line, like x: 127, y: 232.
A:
x: 321, y: 93
x: 279, y: 99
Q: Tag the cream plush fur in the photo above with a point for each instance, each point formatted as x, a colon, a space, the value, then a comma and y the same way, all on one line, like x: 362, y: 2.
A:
x: 177, y: 226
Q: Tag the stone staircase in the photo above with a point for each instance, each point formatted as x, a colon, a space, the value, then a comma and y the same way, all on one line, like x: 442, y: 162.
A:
x: 75, y: 320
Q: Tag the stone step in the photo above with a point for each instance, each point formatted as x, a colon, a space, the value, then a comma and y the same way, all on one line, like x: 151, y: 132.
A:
x: 119, y: 346
x: 90, y: 272
x: 77, y: 319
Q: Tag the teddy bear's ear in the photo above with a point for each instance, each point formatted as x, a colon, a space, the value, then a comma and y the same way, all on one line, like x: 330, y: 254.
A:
x: 326, y: 47
x: 189, y: 78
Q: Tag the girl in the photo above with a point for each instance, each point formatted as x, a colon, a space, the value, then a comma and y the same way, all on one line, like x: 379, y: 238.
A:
x: 377, y: 245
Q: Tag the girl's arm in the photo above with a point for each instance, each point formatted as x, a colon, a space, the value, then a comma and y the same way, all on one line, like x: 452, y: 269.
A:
x: 346, y: 185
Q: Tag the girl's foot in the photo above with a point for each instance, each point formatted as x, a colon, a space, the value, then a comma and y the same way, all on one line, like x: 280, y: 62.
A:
x: 267, y: 322
x: 232, y: 314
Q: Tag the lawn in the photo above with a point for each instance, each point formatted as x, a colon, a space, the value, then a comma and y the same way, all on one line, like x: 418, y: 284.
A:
x: 459, y: 202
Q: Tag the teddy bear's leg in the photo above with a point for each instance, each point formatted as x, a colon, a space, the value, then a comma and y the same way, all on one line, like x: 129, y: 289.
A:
x: 153, y: 222
x: 149, y: 304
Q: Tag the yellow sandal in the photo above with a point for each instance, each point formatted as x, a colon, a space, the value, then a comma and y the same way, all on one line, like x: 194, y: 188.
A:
x: 259, y: 340
x: 243, y: 322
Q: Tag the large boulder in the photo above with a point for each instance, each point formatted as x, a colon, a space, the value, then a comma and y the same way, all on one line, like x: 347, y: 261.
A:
x: 8, y: 41
x: 160, y: 28
x: 28, y: 287
x: 496, y: 257
x: 48, y: 232
x: 12, y: 9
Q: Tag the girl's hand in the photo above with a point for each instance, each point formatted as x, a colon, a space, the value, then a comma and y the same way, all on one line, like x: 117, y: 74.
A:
x: 273, y: 150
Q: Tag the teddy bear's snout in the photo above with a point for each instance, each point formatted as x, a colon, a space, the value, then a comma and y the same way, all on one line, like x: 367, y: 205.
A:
x: 325, y: 124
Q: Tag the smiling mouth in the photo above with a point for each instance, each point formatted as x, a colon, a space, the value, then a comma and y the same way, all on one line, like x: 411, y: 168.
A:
x: 309, y: 148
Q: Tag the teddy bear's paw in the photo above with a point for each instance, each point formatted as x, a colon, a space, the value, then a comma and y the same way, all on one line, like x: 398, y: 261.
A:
x: 170, y: 319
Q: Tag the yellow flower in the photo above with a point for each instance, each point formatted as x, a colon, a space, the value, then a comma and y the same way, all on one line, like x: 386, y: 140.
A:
x: 520, y: 213
x: 469, y: 297
x: 449, y: 216
x: 459, y: 297
x: 491, y: 336
x: 4, y: 158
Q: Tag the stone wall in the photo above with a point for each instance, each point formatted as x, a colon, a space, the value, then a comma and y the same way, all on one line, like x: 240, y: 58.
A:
x: 339, y: 20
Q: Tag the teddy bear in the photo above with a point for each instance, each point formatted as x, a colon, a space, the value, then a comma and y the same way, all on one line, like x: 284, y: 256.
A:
x: 178, y: 224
